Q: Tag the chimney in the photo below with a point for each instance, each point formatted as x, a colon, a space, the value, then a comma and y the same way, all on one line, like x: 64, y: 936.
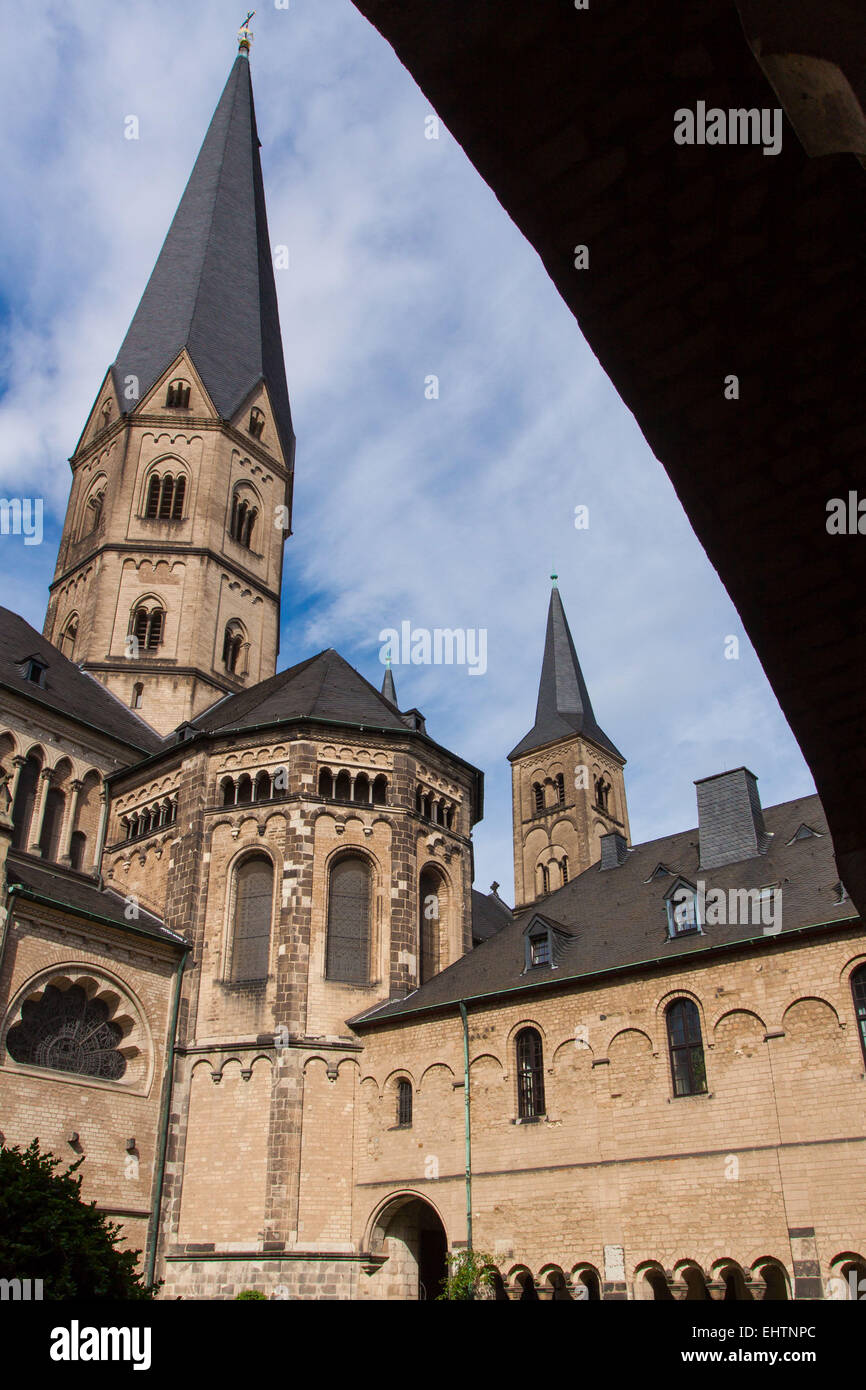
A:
x: 614, y: 848
x: 730, y: 820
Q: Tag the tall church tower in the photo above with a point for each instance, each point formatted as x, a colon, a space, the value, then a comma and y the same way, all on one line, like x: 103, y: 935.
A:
x: 167, y: 586
x: 568, y: 788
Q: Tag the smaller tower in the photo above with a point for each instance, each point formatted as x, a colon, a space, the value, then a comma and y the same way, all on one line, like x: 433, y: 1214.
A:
x: 567, y: 778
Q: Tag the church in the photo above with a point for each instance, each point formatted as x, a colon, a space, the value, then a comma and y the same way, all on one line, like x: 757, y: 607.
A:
x: 244, y: 971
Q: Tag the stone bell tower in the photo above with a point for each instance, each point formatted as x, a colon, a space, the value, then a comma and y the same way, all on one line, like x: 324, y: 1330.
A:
x: 167, y: 586
x: 567, y: 778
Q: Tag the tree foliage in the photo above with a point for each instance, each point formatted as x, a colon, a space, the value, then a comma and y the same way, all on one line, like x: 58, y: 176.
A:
x: 47, y: 1232
x: 470, y: 1275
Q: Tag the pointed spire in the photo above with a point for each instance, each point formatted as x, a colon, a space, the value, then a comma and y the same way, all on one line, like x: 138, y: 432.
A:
x: 564, y: 707
x: 212, y: 289
x: 389, y: 690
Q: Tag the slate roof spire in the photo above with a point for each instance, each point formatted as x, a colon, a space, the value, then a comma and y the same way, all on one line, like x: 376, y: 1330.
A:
x: 564, y: 707
x: 389, y: 690
x: 212, y: 289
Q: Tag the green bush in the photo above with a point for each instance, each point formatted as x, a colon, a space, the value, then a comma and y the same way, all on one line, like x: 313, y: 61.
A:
x: 47, y: 1232
x: 470, y: 1274
x: 250, y: 1293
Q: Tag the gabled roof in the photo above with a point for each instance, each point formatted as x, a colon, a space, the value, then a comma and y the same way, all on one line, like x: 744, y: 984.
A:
x: 564, y: 707
x: 615, y: 920
x: 66, y: 688
x: 489, y: 915
x: 212, y: 289
x: 322, y: 687
x: 73, y: 892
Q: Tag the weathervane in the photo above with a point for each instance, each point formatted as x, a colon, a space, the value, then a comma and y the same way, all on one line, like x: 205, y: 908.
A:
x: 245, y: 37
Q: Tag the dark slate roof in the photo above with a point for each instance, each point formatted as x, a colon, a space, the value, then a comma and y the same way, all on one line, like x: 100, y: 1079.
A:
x: 212, y: 289
x: 489, y: 915
x: 49, y: 883
x: 323, y: 687
x: 67, y: 689
x: 564, y: 707
x: 389, y: 690
x: 614, y: 919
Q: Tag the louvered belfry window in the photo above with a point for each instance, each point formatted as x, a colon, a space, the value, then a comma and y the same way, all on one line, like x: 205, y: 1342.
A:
x: 254, y: 892
x: 348, y: 957
x: 530, y: 1074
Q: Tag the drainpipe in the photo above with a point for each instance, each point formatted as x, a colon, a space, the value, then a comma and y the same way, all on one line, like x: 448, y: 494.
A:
x: 467, y: 1125
x: 153, y: 1223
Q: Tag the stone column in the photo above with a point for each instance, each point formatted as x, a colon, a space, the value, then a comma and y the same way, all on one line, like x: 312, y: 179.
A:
x: 39, y: 811
x: 100, y: 836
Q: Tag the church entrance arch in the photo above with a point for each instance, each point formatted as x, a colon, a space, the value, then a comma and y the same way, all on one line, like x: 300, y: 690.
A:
x: 409, y: 1232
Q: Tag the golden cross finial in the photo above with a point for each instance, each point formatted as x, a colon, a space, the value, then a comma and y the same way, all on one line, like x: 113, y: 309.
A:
x: 245, y: 37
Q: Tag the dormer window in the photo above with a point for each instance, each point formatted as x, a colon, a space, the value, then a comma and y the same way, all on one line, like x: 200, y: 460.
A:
x: 257, y: 423
x: 34, y: 670
x: 681, y: 903
x: 539, y: 949
x: 177, y: 396
x: 542, y: 942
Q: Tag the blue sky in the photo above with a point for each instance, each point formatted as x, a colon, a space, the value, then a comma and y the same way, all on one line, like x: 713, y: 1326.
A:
x: 446, y: 513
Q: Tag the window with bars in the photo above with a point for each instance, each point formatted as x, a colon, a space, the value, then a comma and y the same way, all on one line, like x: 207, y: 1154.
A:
x: 560, y: 788
x: 66, y: 1031
x: 564, y: 867
x: 688, y: 1068
x: 858, y: 990
x: 530, y: 1074
x: 349, y: 894
x: 538, y: 796
x: 428, y: 927
x: 147, y: 627
x: 177, y: 396
x: 404, y: 1104
x: 251, y: 943
x: 165, y: 497
x: 243, y: 520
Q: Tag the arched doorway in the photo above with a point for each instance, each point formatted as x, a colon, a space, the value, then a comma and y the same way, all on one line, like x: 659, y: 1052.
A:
x: 409, y: 1232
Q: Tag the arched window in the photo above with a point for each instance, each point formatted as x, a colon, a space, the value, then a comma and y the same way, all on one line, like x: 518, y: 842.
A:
x: 404, y: 1104
x: 166, y: 497
x: 343, y: 788
x: 147, y: 626
x: 257, y: 422
x: 52, y: 822
x: 429, y: 908
x: 428, y: 806
x: 233, y: 642
x: 243, y: 520
x: 66, y: 1031
x: 69, y: 638
x: 245, y: 790
x: 361, y: 789
x: 380, y: 791
x: 179, y: 495
x: 688, y: 1068
x: 151, y: 509
x: 93, y: 510
x: 137, y: 694
x: 263, y: 787
x: 530, y: 1074
x: 602, y: 792
x: 251, y: 941
x: 419, y: 801
x: 560, y: 788
x: 25, y: 800
x: 349, y: 893
x: 858, y: 990
x: 545, y: 879
x: 449, y: 818
x: 326, y: 782
x: 227, y: 791
x: 563, y: 864
x: 538, y: 794
x: 77, y: 850
x: 177, y: 396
